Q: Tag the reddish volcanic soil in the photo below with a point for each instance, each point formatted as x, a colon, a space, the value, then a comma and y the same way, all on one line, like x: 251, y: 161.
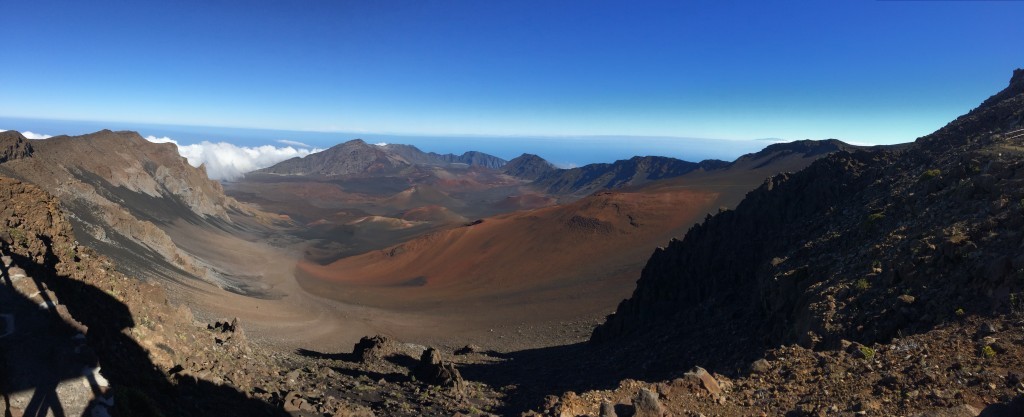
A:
x: 529, y: 268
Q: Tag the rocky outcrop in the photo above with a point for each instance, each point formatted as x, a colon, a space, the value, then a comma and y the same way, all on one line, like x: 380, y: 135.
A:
x: 13, y: 146
x: 861, y: 245
x: 434, y: 371
x: 375, y: 348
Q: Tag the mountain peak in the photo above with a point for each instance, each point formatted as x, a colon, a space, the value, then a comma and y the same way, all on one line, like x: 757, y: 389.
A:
x: 528, y: 166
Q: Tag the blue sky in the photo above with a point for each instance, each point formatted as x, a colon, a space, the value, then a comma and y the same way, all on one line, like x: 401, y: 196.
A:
x: 862, y: 71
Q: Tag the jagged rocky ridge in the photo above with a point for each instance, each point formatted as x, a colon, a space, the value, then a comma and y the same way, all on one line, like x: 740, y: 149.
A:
x: 861, y: 245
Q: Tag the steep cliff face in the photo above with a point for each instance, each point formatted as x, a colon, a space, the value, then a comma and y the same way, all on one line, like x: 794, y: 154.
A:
x: 122, y: 189
x: 860, y: 245
x: 124, y: 161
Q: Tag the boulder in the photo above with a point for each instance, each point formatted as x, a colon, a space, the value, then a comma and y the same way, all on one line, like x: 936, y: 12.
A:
x: 708, y: 382
x: 647, y: 404
x: 373, y: 348
x: 434, y: 371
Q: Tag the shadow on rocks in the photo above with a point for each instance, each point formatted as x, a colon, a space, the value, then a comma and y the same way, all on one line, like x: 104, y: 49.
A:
x: 137, y: 385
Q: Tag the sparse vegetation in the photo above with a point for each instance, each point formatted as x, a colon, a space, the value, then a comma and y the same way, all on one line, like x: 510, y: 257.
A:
x: 988, y: 352
x: 862, y: 284
x: 929, y: 174
x: 874, y: 217
x: 17, y: 236
x: 869, y: 353
x: 959, y: 312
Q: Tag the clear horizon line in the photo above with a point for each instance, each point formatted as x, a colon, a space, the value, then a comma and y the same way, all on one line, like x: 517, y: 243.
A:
x: 356, y: 133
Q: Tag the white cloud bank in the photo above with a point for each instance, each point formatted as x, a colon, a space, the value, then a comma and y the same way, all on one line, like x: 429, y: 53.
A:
x: 225, y: 161
x: 32, y: 135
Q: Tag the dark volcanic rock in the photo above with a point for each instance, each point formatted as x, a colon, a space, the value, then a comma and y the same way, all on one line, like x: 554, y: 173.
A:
x: 828, y: 253
x: 432, y: 370
x: 647, y: 404
x: 373, y: 348
x: 13, y: 146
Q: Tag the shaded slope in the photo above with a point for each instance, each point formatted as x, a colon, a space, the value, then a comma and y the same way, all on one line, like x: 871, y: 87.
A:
x: 860, y: 245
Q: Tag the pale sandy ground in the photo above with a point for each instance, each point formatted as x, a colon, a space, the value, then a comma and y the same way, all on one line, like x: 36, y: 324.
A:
x: 295, y: 319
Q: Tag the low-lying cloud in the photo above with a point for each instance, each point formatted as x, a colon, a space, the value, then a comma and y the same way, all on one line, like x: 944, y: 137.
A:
x: 293, y: 143
x: 32, y: 135
x: 226, y: 161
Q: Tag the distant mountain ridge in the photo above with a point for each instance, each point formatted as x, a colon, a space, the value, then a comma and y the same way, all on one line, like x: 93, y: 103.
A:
x: 637, y: 170
x: 356, y: 157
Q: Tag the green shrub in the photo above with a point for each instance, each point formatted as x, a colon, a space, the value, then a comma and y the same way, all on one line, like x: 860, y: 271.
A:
x: 868, y: 353
x: 18, y: 237
x: 988, y: 352
x: 862, y: 284
x: 929, y: 174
